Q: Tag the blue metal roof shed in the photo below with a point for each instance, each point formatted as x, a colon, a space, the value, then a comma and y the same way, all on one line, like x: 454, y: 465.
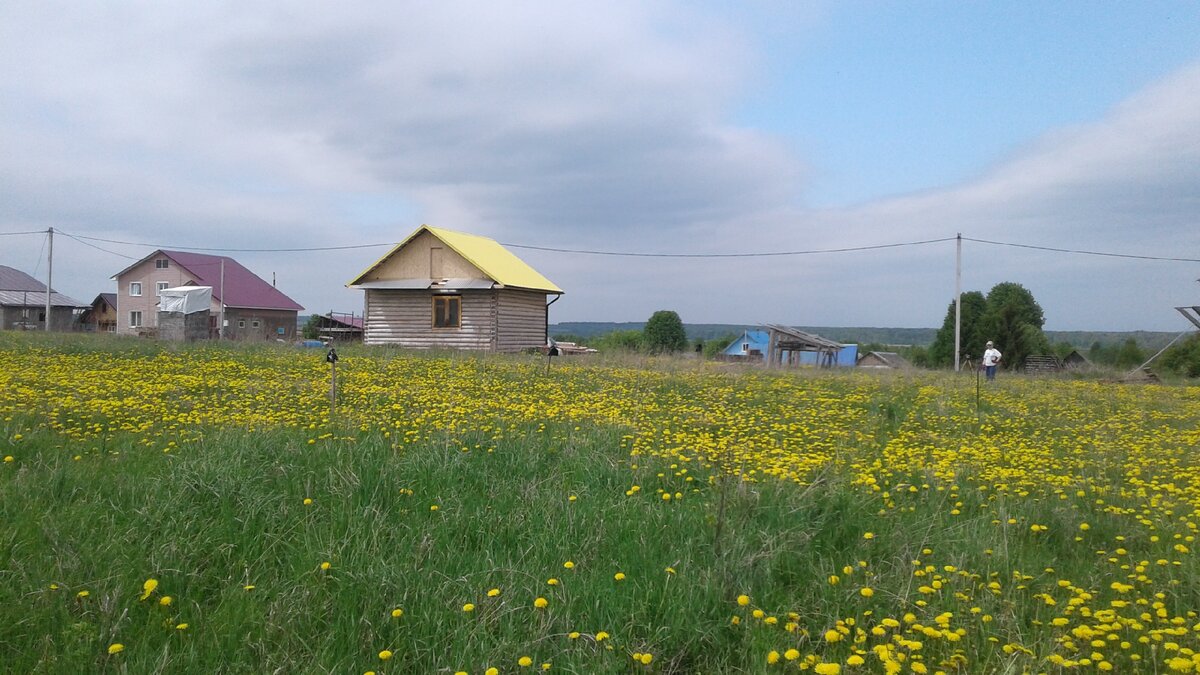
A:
x: 750, y: 341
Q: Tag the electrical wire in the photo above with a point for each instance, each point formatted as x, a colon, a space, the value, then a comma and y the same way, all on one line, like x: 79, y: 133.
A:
x: 37, y: 266
x: 13, y: 234
x: 1082, y: 252
x: 98, y: 248
x: 766, y: 254
x: 235, y: 250
x: 631, y: 254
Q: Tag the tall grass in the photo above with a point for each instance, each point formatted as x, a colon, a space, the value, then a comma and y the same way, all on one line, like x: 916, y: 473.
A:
x: 987, y: 536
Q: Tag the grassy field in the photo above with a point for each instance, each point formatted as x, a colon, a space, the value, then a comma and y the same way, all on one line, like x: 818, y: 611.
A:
x: 168, y: 509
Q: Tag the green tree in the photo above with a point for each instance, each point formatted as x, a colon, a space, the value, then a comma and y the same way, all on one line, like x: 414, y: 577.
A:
x: 312, y: 327
x: 664, y: 332
x: 1130, y: 355
x: 1013, y: 320
x: 1183, y: 358
x: 941, y: 352
x: 619, y: 341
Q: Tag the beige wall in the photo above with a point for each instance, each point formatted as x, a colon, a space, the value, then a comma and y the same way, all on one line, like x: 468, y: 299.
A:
x: 419, y: 260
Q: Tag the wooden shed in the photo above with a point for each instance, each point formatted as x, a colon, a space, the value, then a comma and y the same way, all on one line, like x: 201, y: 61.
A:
x: 445, y: 289
x: 787, y: 345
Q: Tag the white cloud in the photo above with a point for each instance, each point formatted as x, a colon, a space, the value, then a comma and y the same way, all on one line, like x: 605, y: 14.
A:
x: 562, y: 124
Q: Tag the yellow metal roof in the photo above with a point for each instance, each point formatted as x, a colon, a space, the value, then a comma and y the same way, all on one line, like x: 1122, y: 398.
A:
x: 488, y: 255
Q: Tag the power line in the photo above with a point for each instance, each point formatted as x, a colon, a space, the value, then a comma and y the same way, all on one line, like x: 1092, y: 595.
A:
x: 98, y: 248
x: 765, y: 254
x: 234, y: 250
x: 1082, y: 252
x: 629, y: 254
x: 14, y: 234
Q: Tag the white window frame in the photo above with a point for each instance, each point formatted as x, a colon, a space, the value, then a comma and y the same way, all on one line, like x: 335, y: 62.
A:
x: 135, y: 286
x: 135, y: 318
x: 255, y: 323
x: 162, y: 264
x: 241, y: 323
x: 160, y: 286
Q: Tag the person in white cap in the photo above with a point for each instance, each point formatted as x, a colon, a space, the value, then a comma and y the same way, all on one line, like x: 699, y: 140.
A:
x: 991, y: 358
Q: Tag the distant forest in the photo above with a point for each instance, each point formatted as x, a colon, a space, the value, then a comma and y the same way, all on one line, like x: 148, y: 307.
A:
x: 916, y: 337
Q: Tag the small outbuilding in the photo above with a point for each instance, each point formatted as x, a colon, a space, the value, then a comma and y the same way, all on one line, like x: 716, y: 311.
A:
x: 787, y: 345
x: 23, y: 304
x: 337, y: 327
x: 101, y: 317
x: 883, y: 360
x: 751, y: 344
x: 444, y: 289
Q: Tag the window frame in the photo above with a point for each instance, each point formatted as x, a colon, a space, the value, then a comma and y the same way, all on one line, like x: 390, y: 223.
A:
x: 159, y: 287
x: 445, y: 300
x: 138, y: 284
x: 162, y: 263
x: 135, y: 318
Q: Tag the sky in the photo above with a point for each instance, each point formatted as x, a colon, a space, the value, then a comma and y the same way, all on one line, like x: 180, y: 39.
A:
x: 647, y: 127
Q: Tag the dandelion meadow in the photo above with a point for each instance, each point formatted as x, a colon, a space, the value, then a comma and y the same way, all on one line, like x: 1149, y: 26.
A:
x: 203, y: 509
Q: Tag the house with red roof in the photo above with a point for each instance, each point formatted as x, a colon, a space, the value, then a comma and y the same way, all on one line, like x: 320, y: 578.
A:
x: 244, y: 306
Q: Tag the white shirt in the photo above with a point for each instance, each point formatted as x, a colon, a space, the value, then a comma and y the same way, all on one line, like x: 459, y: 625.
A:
x: 991, y: 357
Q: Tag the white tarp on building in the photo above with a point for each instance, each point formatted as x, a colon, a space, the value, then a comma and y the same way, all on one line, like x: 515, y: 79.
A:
x: 185, y: 299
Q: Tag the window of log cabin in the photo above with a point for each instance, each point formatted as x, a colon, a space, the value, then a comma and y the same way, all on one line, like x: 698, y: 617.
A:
x: 447, y: 311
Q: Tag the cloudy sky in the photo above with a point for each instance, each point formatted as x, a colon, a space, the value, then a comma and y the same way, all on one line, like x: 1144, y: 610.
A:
x: 649, y: 126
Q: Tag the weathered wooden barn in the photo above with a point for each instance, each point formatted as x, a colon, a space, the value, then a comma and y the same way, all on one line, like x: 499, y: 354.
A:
x: 445, y: 289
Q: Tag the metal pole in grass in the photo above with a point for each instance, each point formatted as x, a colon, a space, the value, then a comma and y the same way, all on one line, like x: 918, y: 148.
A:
x: 977, y: 395
x: 551, y: 352
x: 332, y: 358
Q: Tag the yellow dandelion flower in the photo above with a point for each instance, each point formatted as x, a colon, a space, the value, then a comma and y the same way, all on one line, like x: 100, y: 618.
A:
x: 326, y: 565
x: 524, y: 662
x: 83, y: 594
x: 773, y: 657
x: 791, y: 654
x: 397, y: 613
x: 166, y: 600
x: 493, y: 593
x: 148, y: 588
x: 552, y: 581
x: 866, y: 591
x: 181, y: 626
x: 385, y: 655
x: 868, y: 535
x: 743, y: 600
x: 116, y: 648
x: 647, y: 659
x: 569, y: 565
x: 469, y: 607
x: 492, y: 671
x: 619, y: 576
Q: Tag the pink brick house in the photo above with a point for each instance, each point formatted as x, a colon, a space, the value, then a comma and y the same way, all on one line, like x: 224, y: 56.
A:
x: 252, y: 308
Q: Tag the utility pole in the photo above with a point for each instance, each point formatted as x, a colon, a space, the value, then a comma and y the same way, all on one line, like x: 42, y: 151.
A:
x: 49, y: 276
x: 221, y: 324
x: 957, y: 301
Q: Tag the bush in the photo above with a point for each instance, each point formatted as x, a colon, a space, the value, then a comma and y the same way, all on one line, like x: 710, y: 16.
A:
x: 1183, y: 358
